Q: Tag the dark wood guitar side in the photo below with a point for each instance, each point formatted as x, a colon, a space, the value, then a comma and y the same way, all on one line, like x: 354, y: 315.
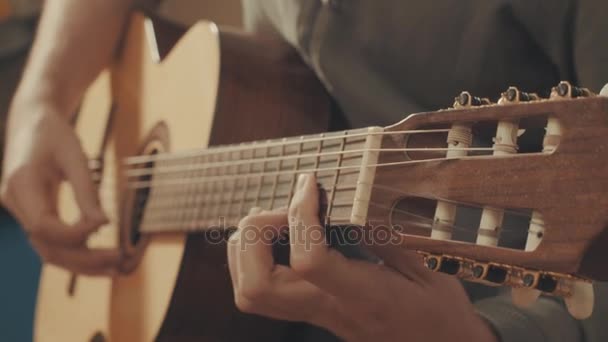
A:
x: 266, y: 79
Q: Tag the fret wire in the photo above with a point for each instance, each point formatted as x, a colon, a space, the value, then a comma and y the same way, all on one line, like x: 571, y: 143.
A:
x: 296, y: 168
x: 260, y: 184
x: 234, y: 186
x: 173, y: 196
x: 207, y: 190
x: 319, y: 151
x: 276, y: 177
x: 246, y: 187
x: 332, y: 195
x: 191, y: 192
x: 215, y: 192
x: 221, y: 208
x: 198, y: 194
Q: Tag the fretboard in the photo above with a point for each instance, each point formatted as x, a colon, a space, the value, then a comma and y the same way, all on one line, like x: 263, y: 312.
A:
x: 216, y: 187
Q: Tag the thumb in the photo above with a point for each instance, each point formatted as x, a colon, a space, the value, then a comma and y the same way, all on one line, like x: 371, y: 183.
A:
x: 74, y: 165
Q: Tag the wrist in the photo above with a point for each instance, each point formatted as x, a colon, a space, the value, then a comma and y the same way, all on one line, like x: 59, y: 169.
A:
x: 29, y: 107
x: 37, y: 94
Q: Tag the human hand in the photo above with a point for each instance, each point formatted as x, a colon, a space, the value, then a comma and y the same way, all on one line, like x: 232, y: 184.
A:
x: 356, y: 300
x: 42, y: 150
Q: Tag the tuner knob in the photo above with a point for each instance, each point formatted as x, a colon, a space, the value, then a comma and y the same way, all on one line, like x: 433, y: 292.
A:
x: 514, y: 95
x: 465, y: 99
x: 443, y: 264
x: 566, y: 90
x: 490, y: 273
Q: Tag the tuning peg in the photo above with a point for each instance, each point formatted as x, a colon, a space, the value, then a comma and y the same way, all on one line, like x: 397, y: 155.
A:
x: 442, y: 264
x: 490, y: 273
x: 580, y: 303
x: 566, y: 90
x: 465, y: 99
x: 514, y: 95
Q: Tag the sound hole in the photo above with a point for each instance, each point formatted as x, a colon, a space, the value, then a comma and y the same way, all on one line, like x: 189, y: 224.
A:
x: 140, y: 199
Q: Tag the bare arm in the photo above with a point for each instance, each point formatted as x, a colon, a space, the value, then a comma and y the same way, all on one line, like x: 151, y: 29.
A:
x: 76, y: 40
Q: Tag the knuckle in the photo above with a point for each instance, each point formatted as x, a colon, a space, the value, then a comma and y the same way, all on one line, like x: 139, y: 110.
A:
x: 253, y: 291
x: 243, y: 304
x: 37, y: 226
x: 306, y: 266
x: 47, y: 254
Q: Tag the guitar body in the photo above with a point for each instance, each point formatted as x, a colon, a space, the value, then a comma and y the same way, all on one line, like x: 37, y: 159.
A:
x: 172, y: 91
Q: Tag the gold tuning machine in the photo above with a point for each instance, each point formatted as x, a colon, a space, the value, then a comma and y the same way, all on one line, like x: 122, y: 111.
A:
x: 465, y: 99
x: 514, y: 95
x: 565, y: 90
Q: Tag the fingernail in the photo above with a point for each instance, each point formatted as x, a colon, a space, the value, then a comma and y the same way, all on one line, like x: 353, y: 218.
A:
x: 302, y: 180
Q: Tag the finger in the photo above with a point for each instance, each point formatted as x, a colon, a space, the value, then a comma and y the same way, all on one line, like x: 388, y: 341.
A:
x: 232, y: 250
x: 254, y: 211
x: 74, y: 165
x: 80, y: 260
x: 51, y: 229
x: 255, y: 259
x: 33, y: 204
x: 408, y: 263
x: 314, y: 261
x: 604, y: 91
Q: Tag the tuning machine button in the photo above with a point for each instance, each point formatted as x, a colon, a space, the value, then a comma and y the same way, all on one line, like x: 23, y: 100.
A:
x: 514, y: 95
x: 542, y: 282
x: 490, y: 273
x: 465, y: 99
x: 443, y: 264
x: 566, y: 90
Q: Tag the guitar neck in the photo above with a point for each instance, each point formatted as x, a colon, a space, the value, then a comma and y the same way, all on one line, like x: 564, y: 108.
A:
x: 218, y: 186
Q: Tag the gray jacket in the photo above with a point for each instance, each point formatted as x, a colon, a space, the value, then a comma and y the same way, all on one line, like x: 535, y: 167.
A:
x: 384, y: 59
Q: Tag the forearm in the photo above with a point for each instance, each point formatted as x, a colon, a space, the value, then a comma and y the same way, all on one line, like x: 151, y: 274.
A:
x: 76, y: 39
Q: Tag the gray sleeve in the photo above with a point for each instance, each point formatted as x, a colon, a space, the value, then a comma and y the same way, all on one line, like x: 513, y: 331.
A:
x: 547, y: 320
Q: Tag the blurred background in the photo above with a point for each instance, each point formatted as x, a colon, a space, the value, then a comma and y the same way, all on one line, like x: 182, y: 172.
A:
x: 19, y: 264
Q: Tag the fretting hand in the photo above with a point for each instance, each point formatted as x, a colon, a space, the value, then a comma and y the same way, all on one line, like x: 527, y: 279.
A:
x: 356, y: 300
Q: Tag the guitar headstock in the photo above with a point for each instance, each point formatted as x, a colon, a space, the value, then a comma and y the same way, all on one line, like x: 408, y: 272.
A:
x: 508, y: 193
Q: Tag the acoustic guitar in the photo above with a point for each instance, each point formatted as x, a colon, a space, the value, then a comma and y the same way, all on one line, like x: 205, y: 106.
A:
x: 165, y: 125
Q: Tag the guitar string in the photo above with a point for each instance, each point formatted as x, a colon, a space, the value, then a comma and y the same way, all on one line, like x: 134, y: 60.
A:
x: 197, y: 206
x: 259, y: 175
x: 263, y: 174
x: 204, y: 224
x: 337, y: 187
x: 267, y: 144
x: 155, y: 169
x: 183, y: 180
